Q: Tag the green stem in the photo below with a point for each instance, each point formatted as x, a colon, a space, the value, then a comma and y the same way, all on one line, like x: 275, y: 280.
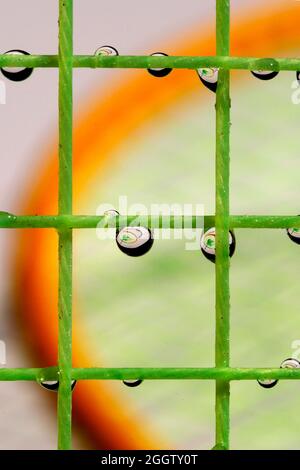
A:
x: 222, y: 347
x: 93, y: 221
x: 144, y: 62
x: 64, y: 404
x: 174, y: 373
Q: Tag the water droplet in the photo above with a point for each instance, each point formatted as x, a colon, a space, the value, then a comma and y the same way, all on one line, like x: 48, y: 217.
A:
x: 53, y: 385
x: 290, y: 363
x: 264, y: 74
x: 208, y: 244
x: 267, y: 383
x: 106, y: 51
x: 17, y: 74
x: 209, y: 78
x: 134, y: 241
x: 132, y: 383
x: 294, y: 235
x: 160, y: 73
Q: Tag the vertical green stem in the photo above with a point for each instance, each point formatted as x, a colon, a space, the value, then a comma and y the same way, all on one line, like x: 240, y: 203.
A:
x: 222, y: 348
x: 64, y: 405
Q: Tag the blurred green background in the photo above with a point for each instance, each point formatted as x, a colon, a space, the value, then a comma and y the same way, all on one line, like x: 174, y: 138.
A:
x: 159, y: 310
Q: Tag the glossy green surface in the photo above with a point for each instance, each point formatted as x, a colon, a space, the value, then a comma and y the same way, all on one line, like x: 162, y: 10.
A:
x: 222, y: 263
x: 65, y: 243
x: 145, y: 62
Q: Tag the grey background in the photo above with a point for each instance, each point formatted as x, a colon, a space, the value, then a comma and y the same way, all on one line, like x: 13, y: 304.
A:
x: 29, y: 120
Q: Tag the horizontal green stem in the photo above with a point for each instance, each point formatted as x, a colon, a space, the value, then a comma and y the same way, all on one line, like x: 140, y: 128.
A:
x: 144, y: 62
x: 47, y: 373
x: 183, y: 373
x: 264, y: 221
x: 10, y: 221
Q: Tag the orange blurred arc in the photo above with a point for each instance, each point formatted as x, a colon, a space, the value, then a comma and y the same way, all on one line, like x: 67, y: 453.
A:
x: 112, y: 117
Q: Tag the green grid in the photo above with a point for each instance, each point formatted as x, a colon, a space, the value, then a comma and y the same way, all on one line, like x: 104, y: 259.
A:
x: 65, y: 223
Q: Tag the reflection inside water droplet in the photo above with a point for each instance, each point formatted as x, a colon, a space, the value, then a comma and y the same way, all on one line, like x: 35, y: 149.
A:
x: 53, y: 385
x: 132, y: 383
